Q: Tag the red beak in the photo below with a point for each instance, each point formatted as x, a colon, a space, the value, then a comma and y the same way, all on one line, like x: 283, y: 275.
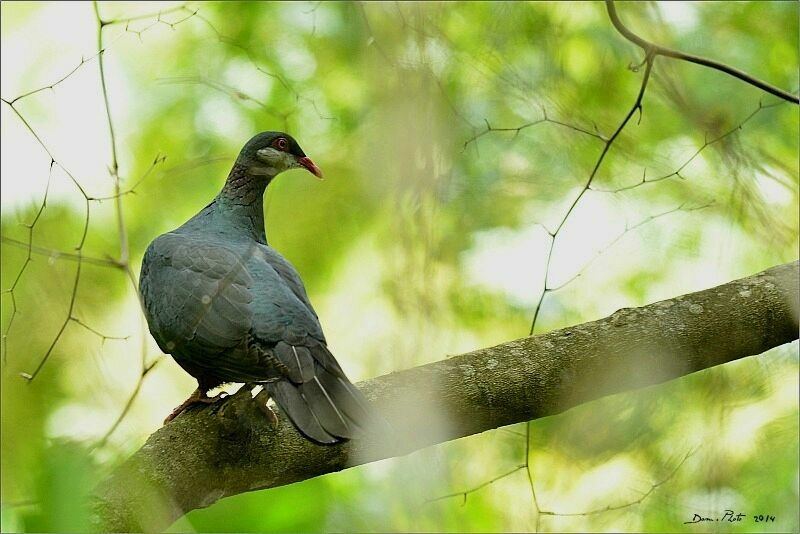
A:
x: 310, y: 166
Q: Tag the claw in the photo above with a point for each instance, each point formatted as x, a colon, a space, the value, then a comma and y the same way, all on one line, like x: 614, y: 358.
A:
x: 198, y: 397
x: 261, y: 401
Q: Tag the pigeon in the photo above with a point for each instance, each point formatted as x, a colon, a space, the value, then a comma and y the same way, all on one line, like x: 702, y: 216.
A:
x: 230, y: 309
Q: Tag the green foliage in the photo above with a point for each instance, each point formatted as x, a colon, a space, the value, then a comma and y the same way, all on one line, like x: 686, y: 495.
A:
x: 421, y: 242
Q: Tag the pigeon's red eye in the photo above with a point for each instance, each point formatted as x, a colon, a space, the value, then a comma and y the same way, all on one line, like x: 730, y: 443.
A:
x: 281, y: 143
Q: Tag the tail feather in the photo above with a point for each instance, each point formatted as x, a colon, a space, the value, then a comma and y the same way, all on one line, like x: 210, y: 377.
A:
x: 316, y: 395
x: 298, y: 361
x: 291, y: 401
x: 327, y: 408
x: 348, y: 398
x: 323, y: 356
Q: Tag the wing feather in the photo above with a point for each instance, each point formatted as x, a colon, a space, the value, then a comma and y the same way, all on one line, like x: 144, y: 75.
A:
x: 195, y: 292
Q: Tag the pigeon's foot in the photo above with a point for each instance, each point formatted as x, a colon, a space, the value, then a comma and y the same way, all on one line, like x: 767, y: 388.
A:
x: 198, y: 397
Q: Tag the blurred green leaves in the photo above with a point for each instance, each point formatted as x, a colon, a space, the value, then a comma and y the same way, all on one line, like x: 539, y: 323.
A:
x: 65, y: 480
x: 386, y: 98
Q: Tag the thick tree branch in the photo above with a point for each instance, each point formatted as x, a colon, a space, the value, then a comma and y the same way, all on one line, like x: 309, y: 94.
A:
x: 658, y: 50
x: 218, y: 451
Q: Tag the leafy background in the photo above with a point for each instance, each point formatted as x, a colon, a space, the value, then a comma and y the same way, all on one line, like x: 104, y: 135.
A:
x: 425, y: 240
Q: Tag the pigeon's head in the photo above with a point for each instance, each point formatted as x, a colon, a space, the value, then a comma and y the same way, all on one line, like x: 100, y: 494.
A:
x: 270, y: 153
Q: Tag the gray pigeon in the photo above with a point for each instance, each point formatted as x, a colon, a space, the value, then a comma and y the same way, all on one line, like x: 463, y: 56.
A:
x: 229, y: 308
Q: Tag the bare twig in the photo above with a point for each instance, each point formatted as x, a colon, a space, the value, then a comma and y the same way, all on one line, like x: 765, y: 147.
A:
x: 706, y: 144
x: 628, y: 228
x: 607, y: 143
x: 228, y: 90
x: 124, y: 254
x: 156, y: 14
x: 96, y: 332
x: 79, y: 248
x: 60, y: 254
x: 102, y: 51
x: 529, y: 472
x: 28, y: 259
x: 224, y: 39
x: 114, y: 167
x: 478, y: 487
x: 73, y: 297
x: 637, y: 106
x: 653, y: 487
x: 652, y: 49
x: 57, y: 82
x: 545, y: 119
x: 128, y: 405
x: 132, y: 189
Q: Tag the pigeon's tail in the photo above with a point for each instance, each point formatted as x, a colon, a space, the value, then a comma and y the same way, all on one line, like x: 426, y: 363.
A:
x: 327, y: 408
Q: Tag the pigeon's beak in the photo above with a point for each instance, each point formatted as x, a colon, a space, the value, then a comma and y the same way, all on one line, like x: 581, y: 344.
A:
x: 310, y: 166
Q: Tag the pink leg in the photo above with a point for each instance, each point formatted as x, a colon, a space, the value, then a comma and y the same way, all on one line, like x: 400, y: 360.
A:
x: 198, y: 397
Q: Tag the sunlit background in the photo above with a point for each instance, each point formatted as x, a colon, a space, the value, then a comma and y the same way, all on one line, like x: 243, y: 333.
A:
x: 428, y: 238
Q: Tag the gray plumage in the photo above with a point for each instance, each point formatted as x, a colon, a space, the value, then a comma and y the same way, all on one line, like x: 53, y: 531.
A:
x: 229, y: 308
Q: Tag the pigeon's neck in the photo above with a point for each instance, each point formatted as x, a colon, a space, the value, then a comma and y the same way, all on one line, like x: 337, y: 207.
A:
x: 241, y: 202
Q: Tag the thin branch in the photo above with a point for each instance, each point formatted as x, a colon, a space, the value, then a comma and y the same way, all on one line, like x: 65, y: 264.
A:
x: 706, y: 144
x: 637, y: 106
x: 228, y: 90
x: 102, y: 51
x: 128, y: 404
x: 25, y: 264
x: 641, y: 498
x: 79, y: 249
x: 60, y: 254
x: 114, y: 168
x: 625, y: 232
x: 157, y: 22
x: 658, y: 50
x: 96, y: 332
x: 46, y: 149
x: 476, y: 488
x: 224, y: 39
x: 545, y: 119
x: 373, y: 41
x: 78, y: 256
x: 31, y: 376
x: 121, y: 228
x: 530, y: 475
x: 55, y: 83
x: 156, y: 14
x: 132, y: 189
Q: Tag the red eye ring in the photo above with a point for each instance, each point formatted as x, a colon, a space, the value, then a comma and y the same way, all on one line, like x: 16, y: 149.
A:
x: 281, y: 143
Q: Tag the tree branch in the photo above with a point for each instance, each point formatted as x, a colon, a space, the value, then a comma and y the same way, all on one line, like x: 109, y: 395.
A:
x: 218, y: 451
x: 658, y: 50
